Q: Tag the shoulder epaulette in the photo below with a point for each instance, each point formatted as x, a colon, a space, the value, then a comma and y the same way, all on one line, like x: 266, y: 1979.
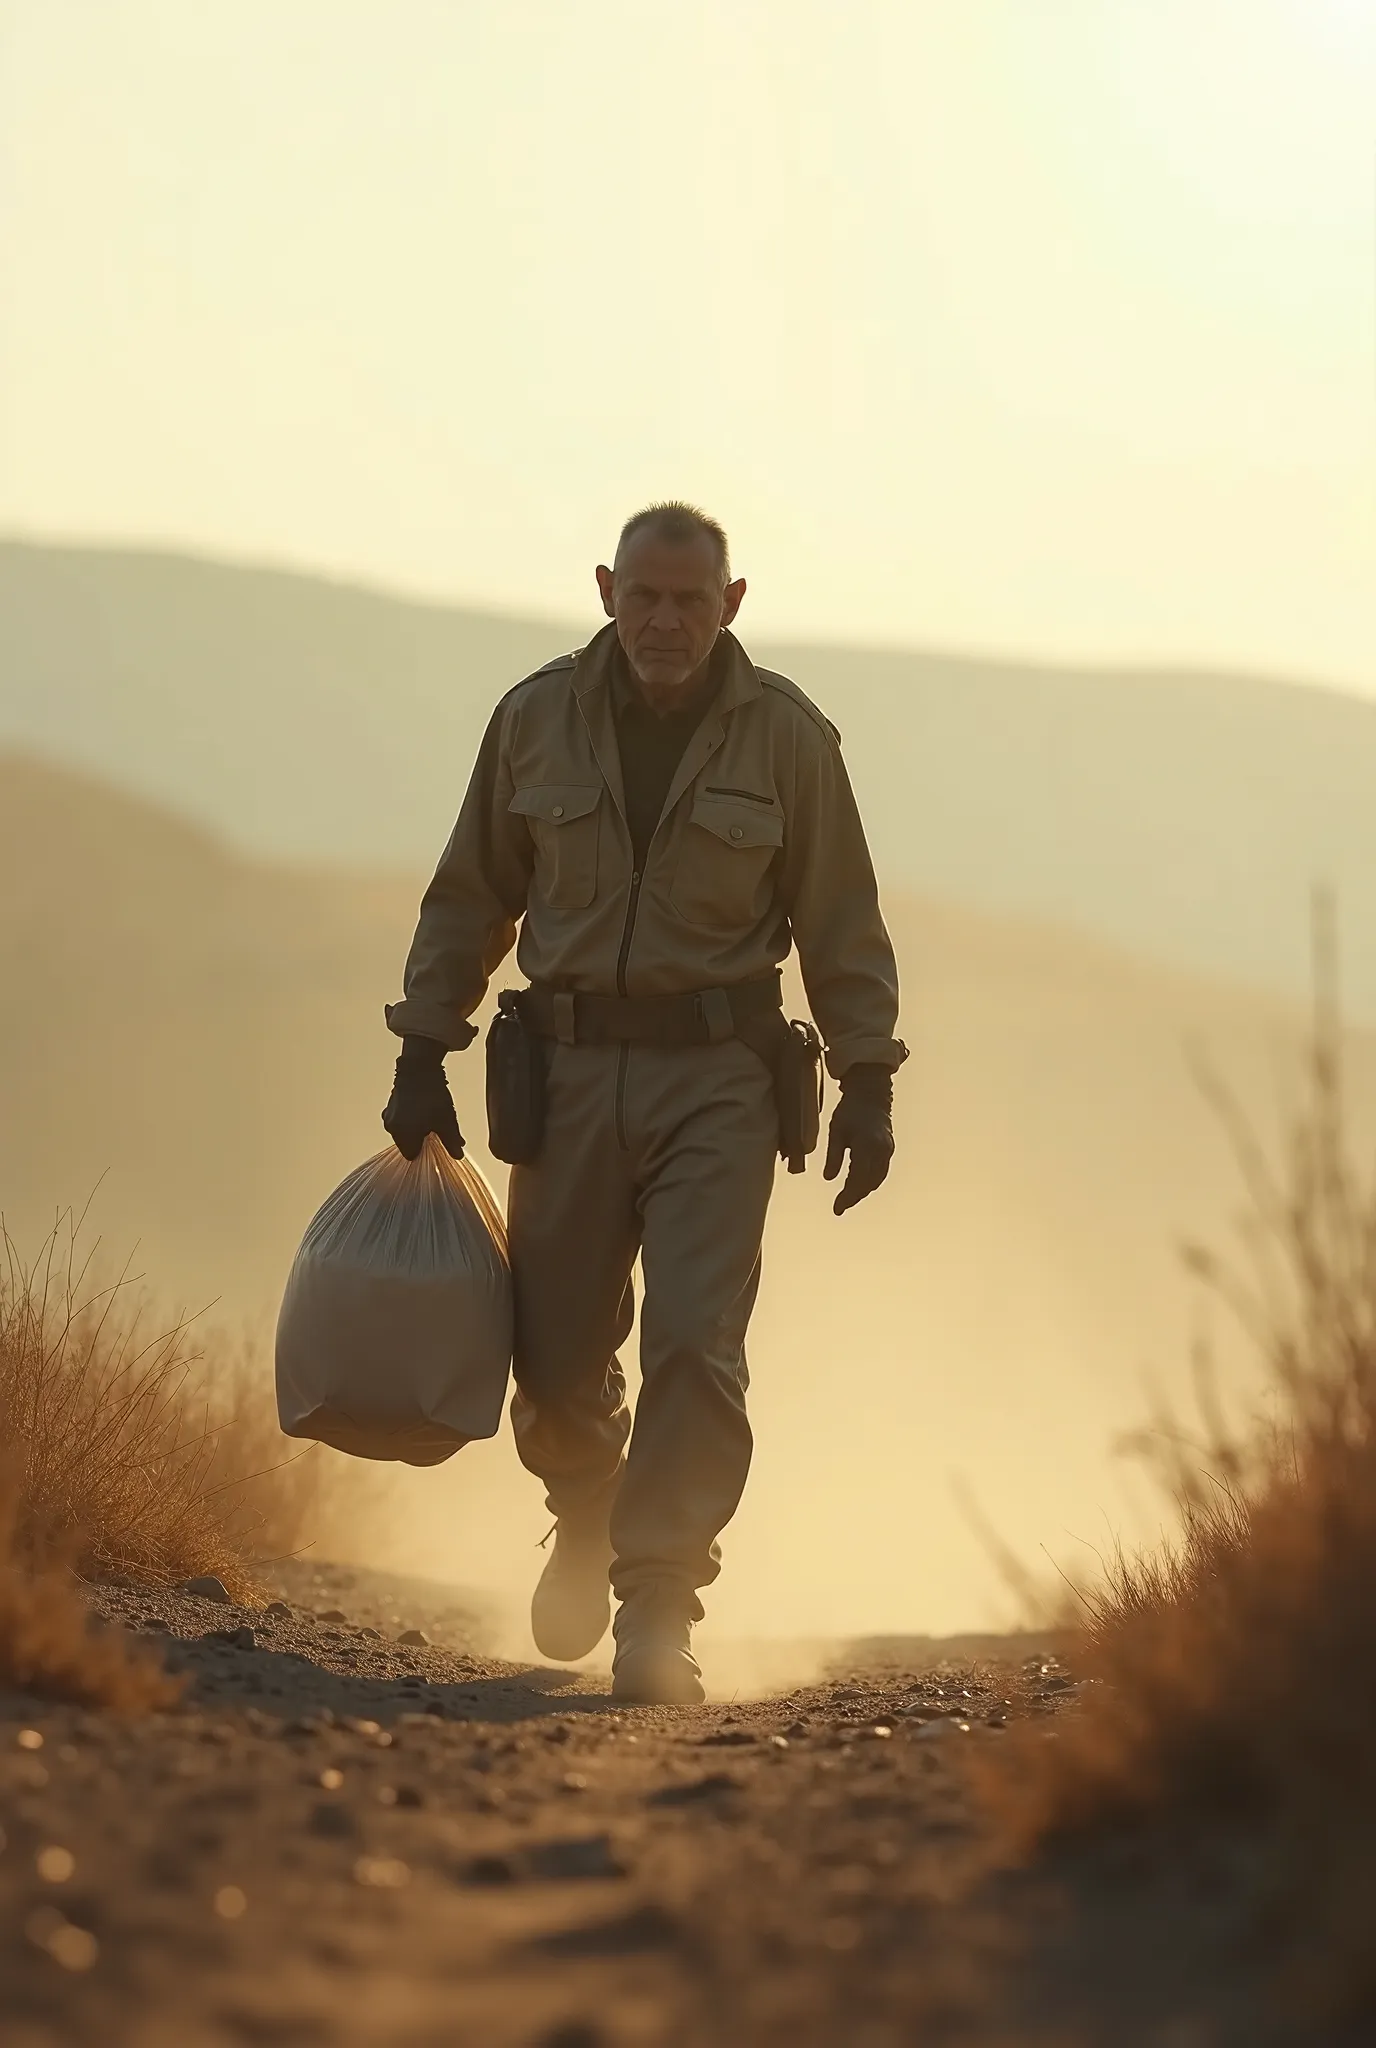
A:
x: 786, y: 687
x: 549, y: 668
x: 559, y: 661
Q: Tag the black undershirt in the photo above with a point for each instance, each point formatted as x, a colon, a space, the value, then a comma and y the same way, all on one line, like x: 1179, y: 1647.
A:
x: 651, y: 746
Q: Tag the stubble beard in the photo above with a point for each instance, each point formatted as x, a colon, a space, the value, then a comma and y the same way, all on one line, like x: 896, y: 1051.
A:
x: 663, y: 693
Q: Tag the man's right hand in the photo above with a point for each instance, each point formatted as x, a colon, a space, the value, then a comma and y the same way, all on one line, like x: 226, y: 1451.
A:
x: 420, y: 1101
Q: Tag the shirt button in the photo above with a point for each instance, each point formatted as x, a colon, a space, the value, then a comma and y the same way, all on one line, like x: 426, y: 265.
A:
x: 558, y: 811
x: 736, y: 832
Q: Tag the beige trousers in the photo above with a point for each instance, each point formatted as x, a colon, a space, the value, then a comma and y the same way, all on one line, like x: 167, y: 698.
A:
x: 668, y: 1152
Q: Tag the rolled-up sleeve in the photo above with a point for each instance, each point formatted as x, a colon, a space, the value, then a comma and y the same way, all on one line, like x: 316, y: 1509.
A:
x: 832, y: 898
x: 470, y: 912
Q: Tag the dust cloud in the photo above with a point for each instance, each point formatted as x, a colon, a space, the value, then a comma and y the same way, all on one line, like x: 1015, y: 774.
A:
x: 982, y: 1333
x: 984, y: 1326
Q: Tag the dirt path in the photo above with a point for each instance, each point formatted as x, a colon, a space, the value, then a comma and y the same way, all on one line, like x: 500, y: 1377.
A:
x: 344, y: 1838
x: 341, y: 1838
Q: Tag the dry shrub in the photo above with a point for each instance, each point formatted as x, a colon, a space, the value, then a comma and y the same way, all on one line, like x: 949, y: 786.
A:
x: 47, y: 1642
x: 1235, y: 1699
x: 140, y: 1447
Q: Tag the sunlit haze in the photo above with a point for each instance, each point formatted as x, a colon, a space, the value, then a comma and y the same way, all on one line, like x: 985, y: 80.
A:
x: 1041, y: 334
x: 1040, y: 329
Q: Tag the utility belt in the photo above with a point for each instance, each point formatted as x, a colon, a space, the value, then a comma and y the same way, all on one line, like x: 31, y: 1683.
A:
x: 529, y: 1019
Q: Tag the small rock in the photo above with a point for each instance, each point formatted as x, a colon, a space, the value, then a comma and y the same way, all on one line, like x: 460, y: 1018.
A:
x: 278, y: 1610
x: 156, y: 1624
x: 331, y: 1614
x: 234, y: 1638
x: 372, y: 1635
x: 490, y: 1870
x: 583, y: 1856
x: 208, y: 1588
x: 333, y: 1820
x: 415, y: 1638
x: 688, y: 1793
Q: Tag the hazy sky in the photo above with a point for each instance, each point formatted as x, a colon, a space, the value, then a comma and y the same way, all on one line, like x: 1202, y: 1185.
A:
x: 1040, y: 325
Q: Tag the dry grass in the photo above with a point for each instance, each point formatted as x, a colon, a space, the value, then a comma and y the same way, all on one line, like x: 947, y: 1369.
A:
x: 133, y: 1449
x: 47, y: 1642
x: 96, y: 1404
x: 1235, y: 1699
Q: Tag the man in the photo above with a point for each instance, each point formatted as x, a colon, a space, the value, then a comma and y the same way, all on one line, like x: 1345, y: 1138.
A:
x: 662, y: 821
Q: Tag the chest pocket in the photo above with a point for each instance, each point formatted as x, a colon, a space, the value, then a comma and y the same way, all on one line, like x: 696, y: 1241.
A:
x: 563, y: 825
x: 723, y: 879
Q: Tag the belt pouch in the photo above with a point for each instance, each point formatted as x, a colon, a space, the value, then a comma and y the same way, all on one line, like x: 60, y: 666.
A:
x: 798, y: 1093
x: 515, y: 1085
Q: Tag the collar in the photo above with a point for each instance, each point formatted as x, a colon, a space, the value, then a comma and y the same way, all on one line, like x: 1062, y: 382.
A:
x: 596, y: 664
x: 628, y: 702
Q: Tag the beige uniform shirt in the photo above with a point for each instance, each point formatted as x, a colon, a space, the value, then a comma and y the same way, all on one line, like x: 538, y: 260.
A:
x: 759, y: 848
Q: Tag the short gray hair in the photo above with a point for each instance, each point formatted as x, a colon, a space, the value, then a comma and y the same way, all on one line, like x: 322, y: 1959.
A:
x: 674, y: 520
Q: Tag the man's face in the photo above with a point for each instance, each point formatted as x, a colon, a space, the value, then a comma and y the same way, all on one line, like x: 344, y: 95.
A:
x: 669, y: 603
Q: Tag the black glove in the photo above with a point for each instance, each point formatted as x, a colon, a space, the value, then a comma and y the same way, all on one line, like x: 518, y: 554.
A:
x: 861, y: 1124
x: 420, y: 1101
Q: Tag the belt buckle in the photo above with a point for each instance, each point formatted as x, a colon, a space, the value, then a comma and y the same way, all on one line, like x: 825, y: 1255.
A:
x: 565, y: 1018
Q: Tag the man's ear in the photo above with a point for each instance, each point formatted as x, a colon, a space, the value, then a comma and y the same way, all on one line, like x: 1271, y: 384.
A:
x: 731, y: 599
x: 605, y: 580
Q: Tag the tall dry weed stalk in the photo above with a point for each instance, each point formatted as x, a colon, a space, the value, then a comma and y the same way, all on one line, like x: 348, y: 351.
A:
x: 1233, y: 1694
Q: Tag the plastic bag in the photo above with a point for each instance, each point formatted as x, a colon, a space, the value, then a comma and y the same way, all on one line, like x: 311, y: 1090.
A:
x: 394, y: 1337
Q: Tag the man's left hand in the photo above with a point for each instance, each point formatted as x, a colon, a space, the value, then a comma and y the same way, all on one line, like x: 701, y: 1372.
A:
x: 861, y: 1125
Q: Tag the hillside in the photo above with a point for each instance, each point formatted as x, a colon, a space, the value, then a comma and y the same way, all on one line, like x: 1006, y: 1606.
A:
x: 206, y: 1032
x: 1181, y: 815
